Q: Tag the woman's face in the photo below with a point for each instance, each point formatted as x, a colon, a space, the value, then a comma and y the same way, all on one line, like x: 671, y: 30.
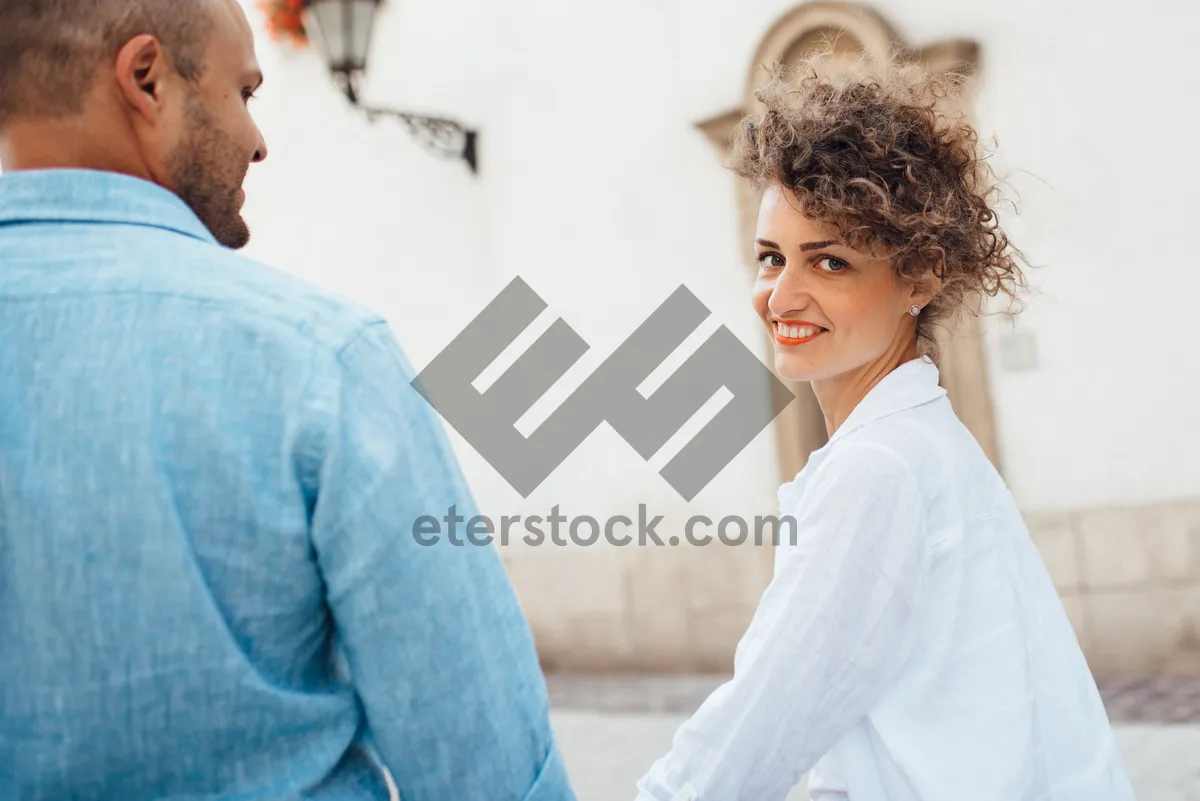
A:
x: 830, y: 309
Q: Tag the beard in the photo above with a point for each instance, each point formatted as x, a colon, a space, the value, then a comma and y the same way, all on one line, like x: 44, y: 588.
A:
x: 207, y: 169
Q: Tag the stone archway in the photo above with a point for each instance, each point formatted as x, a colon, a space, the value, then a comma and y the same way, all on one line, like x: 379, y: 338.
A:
x: 855, y: 31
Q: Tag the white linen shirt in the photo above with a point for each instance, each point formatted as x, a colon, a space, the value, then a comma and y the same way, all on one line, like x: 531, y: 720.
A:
x: 911, y: 646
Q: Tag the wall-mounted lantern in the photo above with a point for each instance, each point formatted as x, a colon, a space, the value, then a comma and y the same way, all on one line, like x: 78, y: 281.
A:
x: 342, y: 33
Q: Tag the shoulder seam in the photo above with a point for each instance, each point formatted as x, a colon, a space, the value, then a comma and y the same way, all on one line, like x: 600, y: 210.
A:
x: 357, y: 335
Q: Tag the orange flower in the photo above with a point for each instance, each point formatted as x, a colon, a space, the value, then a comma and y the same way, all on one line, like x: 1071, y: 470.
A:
x: 285, y: 20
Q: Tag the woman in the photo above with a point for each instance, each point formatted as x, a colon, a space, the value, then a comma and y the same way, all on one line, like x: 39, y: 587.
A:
x: 911, y: 646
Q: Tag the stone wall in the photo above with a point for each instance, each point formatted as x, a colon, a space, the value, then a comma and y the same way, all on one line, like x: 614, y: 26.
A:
x: 1129, y: 578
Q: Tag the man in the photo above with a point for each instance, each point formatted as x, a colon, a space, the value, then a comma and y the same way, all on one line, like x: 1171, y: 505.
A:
x: 209, y: 472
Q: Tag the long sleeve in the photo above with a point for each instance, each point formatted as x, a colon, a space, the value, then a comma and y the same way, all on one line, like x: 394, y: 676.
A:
x: 437, y: 646
x: 828, y: 637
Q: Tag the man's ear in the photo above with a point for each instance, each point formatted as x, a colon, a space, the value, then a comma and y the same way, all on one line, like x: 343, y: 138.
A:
x: 141, y: 66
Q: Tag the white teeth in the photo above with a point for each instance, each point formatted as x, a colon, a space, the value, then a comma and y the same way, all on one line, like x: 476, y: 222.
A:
x: 797, y: 331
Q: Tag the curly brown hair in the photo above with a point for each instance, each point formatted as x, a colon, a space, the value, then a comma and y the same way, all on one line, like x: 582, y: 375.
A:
x: 874, y: 151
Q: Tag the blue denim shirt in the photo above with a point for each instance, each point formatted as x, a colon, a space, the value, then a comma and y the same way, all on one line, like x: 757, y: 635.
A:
x: 209, y: 585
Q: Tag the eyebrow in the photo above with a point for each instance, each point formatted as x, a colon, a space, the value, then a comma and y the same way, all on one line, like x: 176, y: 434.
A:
x: 804, y: 247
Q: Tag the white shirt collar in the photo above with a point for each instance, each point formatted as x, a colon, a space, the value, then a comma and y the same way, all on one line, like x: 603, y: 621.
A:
x: 912, y: 384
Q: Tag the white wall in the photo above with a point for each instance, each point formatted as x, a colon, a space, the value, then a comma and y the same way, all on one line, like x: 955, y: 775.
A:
x: 588, y: 190
x: 597, y: 189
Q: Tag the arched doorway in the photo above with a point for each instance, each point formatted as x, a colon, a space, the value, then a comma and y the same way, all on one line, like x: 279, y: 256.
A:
x: 855, y: 31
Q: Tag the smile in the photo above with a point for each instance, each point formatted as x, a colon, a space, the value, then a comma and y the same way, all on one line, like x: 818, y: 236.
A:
x: 795, y: 333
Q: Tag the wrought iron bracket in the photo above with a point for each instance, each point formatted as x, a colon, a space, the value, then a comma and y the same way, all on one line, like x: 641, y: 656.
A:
x: 439, y: 136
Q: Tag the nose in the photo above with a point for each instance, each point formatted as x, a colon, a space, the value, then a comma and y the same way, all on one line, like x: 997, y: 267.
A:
x: 790, y: 291
x: 260, y: 152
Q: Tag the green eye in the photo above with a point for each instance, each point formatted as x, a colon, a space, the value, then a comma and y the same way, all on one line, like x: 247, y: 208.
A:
x: 832, y: 264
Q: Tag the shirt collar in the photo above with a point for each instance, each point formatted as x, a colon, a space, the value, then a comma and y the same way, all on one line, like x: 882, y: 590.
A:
x: 93, y: 196
x: 912, y: 384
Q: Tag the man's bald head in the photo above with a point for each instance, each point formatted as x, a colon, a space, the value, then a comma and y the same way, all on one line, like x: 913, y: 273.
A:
x: 51, y: 50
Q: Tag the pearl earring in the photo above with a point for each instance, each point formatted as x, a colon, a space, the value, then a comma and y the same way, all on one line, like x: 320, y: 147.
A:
x: 914, y: 310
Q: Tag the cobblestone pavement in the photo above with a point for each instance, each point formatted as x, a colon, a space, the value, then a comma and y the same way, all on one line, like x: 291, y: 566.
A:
x: 611, y: 729
x: 1166, y: 700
